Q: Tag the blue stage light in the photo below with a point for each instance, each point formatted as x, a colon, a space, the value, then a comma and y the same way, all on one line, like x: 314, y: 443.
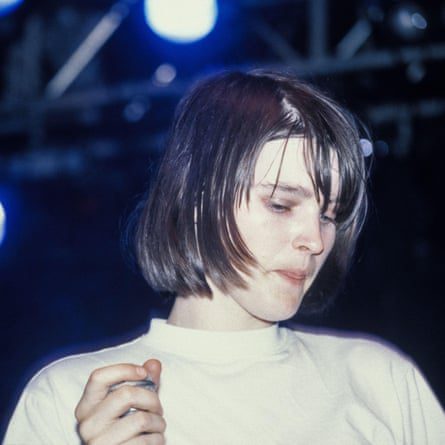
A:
x: 181, y: 21
x: 2, y: 223
x: 6, y: 6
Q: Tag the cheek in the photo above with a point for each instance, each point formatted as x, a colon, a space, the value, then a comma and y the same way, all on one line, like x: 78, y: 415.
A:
x: 329, y: 236
x: 258, y: 230
x: 260, y: 240
x: 260, y: 227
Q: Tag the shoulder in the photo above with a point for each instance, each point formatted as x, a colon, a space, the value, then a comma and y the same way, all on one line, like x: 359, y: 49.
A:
x: 353, y: 354
x: 359, y: 369
x: 45, y: 410
x: 371, y: 375
x: 73, y: 371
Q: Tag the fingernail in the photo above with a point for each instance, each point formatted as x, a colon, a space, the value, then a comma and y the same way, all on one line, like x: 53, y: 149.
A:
x: 141, y: 371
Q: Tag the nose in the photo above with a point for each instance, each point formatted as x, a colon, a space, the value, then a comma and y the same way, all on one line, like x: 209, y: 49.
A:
x: 308, y: 236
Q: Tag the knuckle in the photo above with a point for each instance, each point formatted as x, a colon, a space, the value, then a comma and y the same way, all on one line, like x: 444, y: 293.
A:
x: 163, y: 425
x: 126, y: 394
x: 142, y: 420
x: 77, y: 413
x: 96, y: 376
x: 148, y: 422
x: 87, y: 431
x: 157, y: 439
x: 151, y: 439
x: 83, y: 431
x: 81, y: 411
x: 155, y: 403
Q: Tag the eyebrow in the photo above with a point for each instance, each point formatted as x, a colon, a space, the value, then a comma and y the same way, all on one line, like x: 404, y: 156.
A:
x: 297, y: 190
x: 293, y: 189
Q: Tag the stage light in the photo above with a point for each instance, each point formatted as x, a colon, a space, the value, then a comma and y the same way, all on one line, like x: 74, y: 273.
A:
x: 6, y: 6
x: 408, y: 21
x: 2, y: 223
x: 164, y: 74
x: 181, y: 21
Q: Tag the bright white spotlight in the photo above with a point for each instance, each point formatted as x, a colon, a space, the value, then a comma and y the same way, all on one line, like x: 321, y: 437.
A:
x: 2, y: 223
x: 7, y: 6
x: 181, y: 21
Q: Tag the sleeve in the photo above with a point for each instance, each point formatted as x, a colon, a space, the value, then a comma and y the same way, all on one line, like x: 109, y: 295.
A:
x: 40, y: 418
x: 423, y: 416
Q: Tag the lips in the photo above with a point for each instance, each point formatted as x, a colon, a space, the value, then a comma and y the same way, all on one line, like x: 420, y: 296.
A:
x: 293, y: 276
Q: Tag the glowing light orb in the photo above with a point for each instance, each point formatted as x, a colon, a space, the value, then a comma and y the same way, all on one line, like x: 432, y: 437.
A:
x: 6, y: 6
x: 181, y: 21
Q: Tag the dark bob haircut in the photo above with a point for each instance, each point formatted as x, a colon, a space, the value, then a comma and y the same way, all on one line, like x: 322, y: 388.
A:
x: 186, y: 229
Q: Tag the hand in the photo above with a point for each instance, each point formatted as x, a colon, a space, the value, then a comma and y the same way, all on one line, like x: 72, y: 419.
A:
x: 100, y: 413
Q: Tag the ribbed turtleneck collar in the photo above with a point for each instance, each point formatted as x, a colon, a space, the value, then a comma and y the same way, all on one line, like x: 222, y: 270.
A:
x: 218, y: 345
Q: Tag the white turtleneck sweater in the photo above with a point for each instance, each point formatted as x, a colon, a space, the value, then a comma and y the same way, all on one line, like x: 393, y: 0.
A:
x: 258, y: 387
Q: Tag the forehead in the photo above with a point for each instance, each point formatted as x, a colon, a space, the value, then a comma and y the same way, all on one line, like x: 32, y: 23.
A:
x: 283, y: 161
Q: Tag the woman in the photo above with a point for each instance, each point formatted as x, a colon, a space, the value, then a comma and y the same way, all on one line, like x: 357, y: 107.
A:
x: 254, y: 215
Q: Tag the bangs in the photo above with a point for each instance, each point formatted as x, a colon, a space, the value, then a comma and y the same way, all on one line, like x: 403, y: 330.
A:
x: 330, y: 141
x: 322, y: 158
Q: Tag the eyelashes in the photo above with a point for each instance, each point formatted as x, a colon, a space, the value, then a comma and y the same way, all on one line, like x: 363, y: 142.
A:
x: 325, y: 219
x: 278, y: 207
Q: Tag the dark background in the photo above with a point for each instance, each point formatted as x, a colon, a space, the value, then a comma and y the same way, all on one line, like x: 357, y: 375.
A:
x: 73, y: 167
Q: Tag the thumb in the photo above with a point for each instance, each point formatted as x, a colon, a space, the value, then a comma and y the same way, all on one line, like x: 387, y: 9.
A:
x: 153, y: 367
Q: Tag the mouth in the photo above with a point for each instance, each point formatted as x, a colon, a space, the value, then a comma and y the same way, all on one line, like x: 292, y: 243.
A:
x: 295, y: 277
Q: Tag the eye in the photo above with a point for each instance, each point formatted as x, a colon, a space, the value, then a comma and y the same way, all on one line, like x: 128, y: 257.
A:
x: 326, y: 219
x: 277, y: 208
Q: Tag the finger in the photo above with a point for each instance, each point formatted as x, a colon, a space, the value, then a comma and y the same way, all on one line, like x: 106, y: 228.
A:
x: 146, y: 439
x: 153, y: 368
x: 120, y: 401
x: 129, y: 428
x: 99, y: 383
x: 116, y: 405
x: 132, y: 426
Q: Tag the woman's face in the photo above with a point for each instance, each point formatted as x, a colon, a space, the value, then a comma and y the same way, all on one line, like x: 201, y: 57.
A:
x: 286, y: 233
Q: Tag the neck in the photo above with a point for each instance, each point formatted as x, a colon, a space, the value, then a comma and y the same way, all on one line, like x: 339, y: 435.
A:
x: 216, y: 313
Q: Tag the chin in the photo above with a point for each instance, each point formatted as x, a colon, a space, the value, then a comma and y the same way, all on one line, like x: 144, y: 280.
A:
x: 288, y: 307
x: 280, y: 313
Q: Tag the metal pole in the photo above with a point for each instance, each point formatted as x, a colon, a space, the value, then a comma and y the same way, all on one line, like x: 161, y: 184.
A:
x: 88, y: 49
x: 317, y: 28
